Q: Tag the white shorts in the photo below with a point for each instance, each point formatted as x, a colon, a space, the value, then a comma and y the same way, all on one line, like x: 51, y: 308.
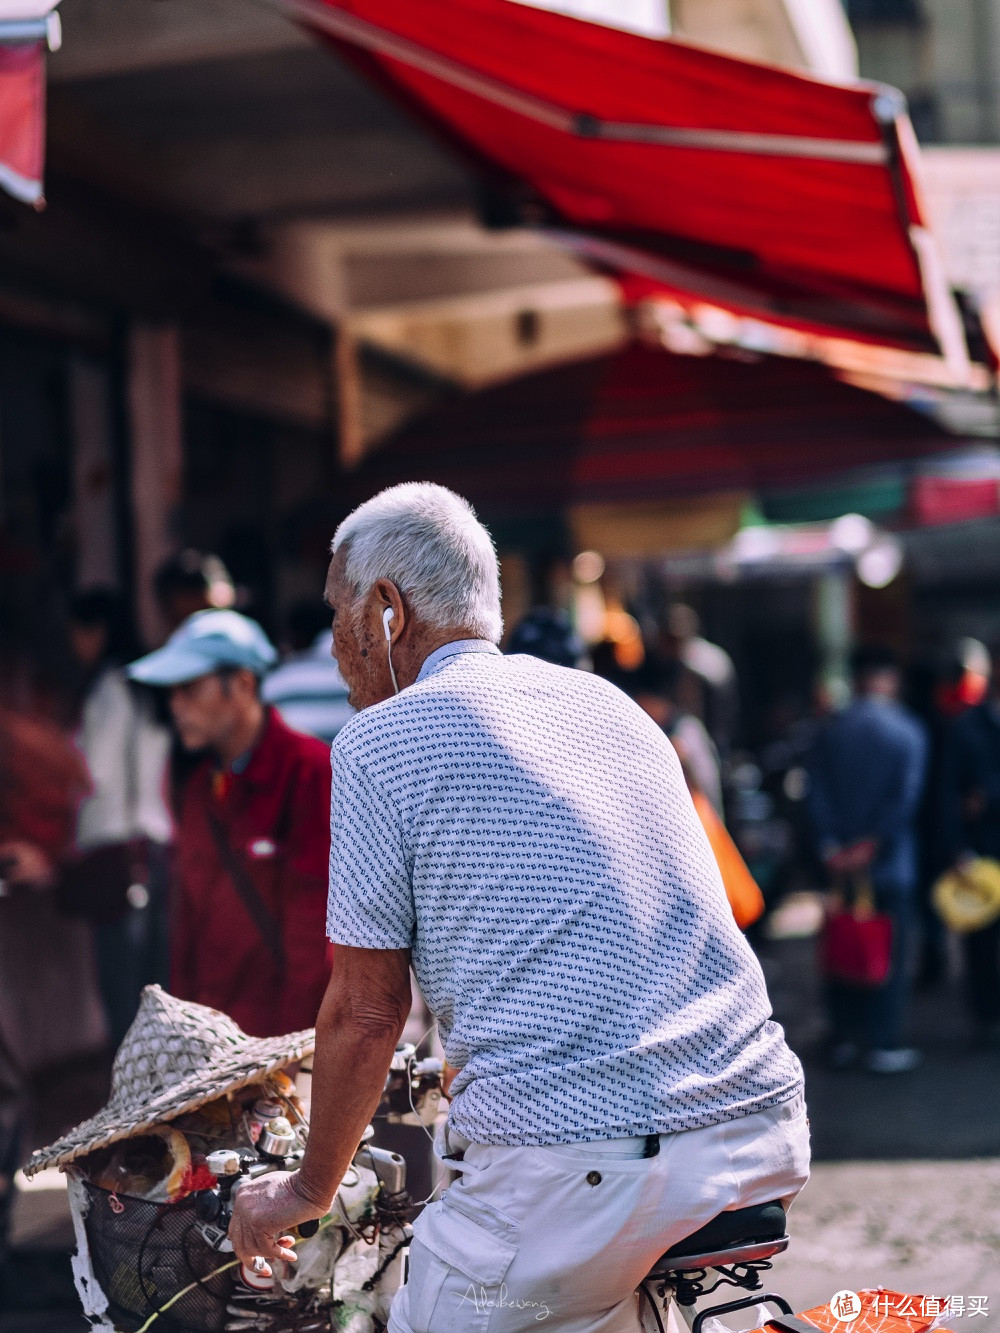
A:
x: 559, y: 1238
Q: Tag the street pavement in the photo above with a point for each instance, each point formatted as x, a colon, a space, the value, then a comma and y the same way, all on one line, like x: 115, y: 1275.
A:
x: 931, y: 1228
x: 905, y: 1190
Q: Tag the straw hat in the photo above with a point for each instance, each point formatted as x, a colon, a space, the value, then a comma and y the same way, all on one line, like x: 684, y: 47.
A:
x: 969, y: 899
x: 176, y: 1056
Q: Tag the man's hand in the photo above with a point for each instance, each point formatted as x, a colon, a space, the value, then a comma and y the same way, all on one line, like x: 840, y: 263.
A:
x: 359, y: 1022
x: 25, y: 865
x: 852, y: 859
x: 264, y: 1211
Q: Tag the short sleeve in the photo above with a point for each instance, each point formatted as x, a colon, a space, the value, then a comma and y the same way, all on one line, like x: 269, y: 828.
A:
x: 370, y: 904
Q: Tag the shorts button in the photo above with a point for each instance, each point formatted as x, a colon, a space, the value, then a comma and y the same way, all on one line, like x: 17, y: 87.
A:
x: 593, y: 1177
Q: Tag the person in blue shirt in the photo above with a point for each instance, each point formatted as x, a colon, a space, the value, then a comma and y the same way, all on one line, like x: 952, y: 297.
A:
x: 867, y: 772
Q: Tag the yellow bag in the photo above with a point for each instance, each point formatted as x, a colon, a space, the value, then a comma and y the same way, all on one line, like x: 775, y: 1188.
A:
x: 968, y: 899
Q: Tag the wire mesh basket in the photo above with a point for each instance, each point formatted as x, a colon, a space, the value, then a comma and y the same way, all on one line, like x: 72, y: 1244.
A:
x: 145, y: 1253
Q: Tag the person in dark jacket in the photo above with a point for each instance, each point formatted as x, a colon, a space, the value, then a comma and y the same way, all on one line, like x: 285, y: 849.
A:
x: 972, y: 824
x: 253, y: 836
x: 867, y: 774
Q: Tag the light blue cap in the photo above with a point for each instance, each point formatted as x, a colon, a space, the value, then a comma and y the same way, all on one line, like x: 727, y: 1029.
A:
x: 205, y: 642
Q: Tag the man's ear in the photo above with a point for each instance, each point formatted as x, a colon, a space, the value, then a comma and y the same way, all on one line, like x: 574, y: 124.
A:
x: 389, y: 598
x: 250, y: 685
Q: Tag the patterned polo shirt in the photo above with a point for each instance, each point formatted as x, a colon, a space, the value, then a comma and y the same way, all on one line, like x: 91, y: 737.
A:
x: 525, y: 829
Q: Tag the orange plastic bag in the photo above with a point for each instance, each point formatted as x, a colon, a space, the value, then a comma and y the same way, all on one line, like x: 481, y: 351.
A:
x: 878, y: 1312
x: 745, y: 898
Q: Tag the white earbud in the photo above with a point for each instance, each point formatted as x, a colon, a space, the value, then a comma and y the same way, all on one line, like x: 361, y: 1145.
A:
x: 388, y: 615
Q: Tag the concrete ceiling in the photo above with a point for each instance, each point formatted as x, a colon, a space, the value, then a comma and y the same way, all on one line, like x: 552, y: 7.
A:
x: 283, y: 163
x: 229, y: 112
x: 287, y: 164
x: 102, y: 37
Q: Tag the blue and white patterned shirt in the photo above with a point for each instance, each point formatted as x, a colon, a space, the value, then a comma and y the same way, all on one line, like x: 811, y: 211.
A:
x: 525, y: 829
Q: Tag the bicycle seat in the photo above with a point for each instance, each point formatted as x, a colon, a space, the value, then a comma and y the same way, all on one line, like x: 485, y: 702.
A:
x: 745, y: 1235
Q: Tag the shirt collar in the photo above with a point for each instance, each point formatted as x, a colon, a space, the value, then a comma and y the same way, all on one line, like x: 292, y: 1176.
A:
x: 241, y: 764
x: 440, y: 655
x: 259, y: 765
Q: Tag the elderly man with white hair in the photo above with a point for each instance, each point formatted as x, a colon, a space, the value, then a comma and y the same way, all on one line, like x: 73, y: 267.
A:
x: 521, y: 834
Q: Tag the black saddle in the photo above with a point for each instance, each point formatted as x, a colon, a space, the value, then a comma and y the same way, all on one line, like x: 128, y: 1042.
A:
x: 737, y: 1246
x: 746, y: 1236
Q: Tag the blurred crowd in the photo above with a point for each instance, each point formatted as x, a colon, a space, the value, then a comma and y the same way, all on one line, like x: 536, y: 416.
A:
x: 165, y: 818
x: 887, y: 802
x: 174, y: 832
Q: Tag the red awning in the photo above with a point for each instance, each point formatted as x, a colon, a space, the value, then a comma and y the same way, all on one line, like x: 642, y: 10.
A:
x: 937, y: 500
x: 27, y: 29
x: 766, y: 190
x: 22, y: 119
x: 644, y: 425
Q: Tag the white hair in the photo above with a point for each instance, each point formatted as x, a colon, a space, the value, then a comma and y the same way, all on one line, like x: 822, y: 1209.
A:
x: 428, y: 541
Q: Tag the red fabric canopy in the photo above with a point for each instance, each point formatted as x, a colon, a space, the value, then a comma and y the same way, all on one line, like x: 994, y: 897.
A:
x: 763, y: 189
x: 22, y: 119
x: 643, y: 425
x: 936, y: 500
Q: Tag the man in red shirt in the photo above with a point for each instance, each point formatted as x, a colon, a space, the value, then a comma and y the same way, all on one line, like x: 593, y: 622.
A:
x: 253, y: 835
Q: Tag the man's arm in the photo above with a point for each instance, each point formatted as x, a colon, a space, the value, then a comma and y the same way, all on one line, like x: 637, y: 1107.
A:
x: 819, y: 802
x: 903, y: 801
x: 360, y: 1021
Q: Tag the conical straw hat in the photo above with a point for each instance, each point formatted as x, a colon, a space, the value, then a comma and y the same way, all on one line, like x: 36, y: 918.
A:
x: 175, y: 1056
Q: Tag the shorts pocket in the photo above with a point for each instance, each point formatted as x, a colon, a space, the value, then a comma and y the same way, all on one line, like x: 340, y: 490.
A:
x: 576, y: 1157
x: 459, y: 1257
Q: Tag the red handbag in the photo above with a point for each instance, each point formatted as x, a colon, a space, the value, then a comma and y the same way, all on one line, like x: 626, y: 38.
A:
x: 856, y: 944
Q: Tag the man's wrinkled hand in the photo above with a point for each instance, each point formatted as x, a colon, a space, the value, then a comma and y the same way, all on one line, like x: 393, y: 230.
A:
x: 264, y: 1211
